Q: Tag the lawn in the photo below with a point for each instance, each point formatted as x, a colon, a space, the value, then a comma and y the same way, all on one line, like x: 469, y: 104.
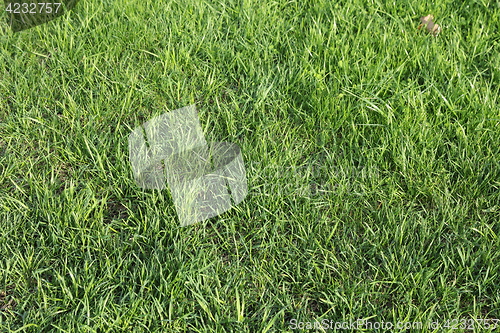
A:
x: 372, y: 153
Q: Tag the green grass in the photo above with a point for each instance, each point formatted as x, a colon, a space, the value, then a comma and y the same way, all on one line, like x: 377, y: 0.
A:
x: 372, y: 154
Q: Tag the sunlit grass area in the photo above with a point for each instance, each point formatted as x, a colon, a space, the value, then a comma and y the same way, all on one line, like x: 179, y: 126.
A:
x: 372, y: 153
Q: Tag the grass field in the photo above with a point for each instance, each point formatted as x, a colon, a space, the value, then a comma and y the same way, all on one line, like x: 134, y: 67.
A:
x: 372, y: 152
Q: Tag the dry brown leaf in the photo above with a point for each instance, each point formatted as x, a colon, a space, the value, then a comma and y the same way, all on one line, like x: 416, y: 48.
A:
x: 428, y: 22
